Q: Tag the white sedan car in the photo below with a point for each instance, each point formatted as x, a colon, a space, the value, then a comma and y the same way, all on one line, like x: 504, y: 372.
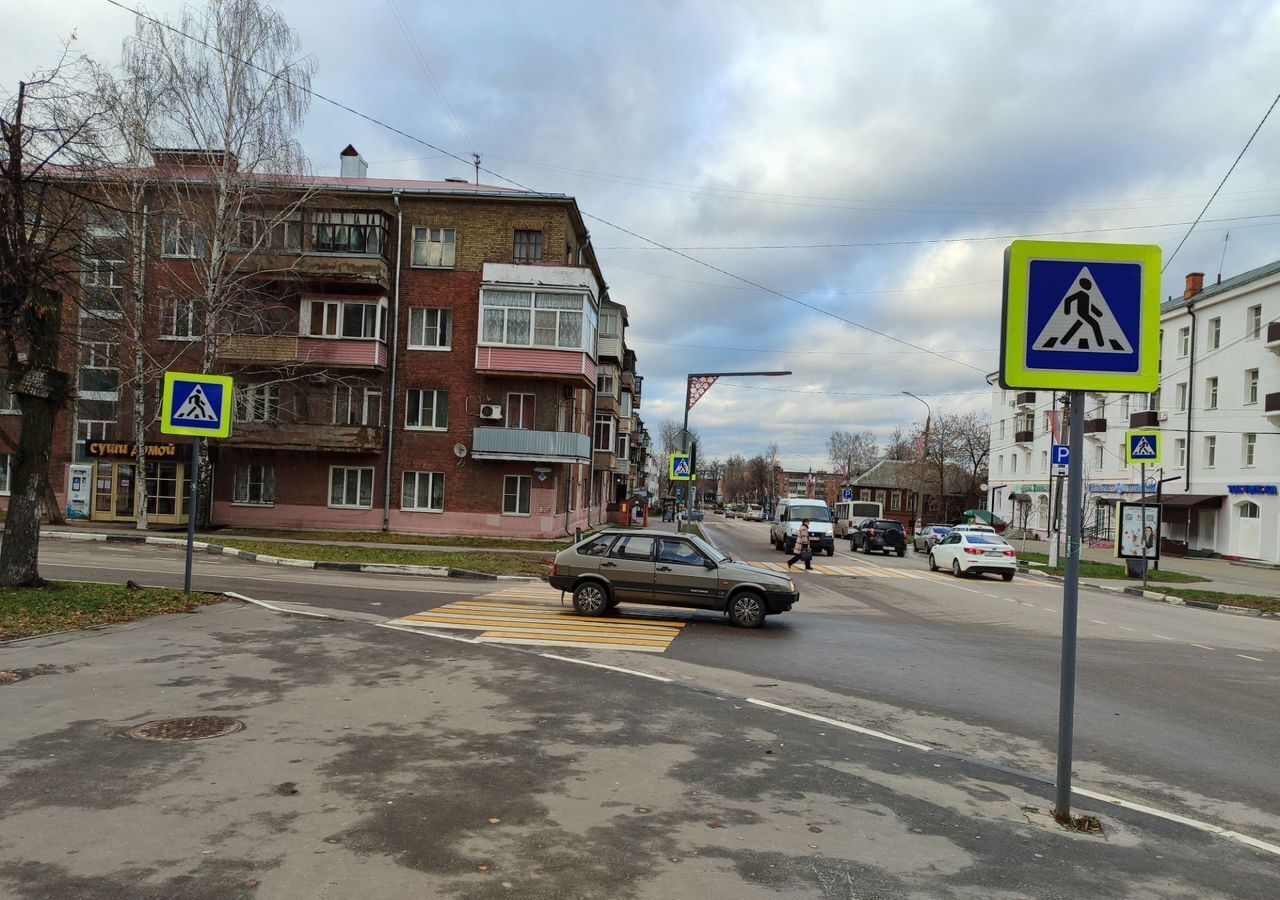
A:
x: 965, y: 552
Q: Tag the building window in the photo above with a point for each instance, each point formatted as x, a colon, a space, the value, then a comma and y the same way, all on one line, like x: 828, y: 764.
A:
x: 604, y: 433
x: 1180, y: 452
x: 609, y: 320
x: 1184, y: 342
x: 528, y: 246
x: 348, y: 232
x: 356, y: 405
x: 182, y: 238
x: 1002, y: 429
x: 1214, y: 336
x: 8, y: 400
x: 911, y: 503
x: 1000, y: 464
x: 1250, y: 386
x: 269, y: 231
x: 4, y: 472
x: 1124, y: 407
x: 98, y: 377
x: 515, y: 495
x: 1098, y: 459
x: 1250, y: 448
x: 895, y: 500
x: 255, y: 485
x: 526, y: 319
x: 346, y: 319
x: 1181, y: 395
x: 1044, y: 460
x: 880, y: 496
x: 607, y: 380
x: 1253, y: 322
x: 350, y: 488
x: 434, y: 247
x: 162, y: 488
x: 427, y: 410
x: 864, y: 495
x: 519, y: 411
x: 623, y: 448
x: 1210, y: 451
x: 182, y: 317
x: 430, y: 329
x: 1013, y: 462
x: 423, y: 492
x: 1211, y: 393
x: 257, y: 403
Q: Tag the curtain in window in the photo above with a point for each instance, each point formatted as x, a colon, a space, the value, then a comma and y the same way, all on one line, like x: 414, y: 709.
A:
x: 518, y: 326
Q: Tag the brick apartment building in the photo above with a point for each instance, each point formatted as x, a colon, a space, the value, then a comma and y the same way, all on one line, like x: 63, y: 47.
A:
x: 435, y: 357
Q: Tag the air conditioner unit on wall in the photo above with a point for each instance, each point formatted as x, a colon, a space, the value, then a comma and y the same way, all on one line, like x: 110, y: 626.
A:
x: 490, y: 411
x: 1164, y: 415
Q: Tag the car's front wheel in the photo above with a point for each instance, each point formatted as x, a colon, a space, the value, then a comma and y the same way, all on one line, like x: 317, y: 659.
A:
x: 933, y: 563
x: 831, y: 551
x: 590, y: 599
x: 746, y: 609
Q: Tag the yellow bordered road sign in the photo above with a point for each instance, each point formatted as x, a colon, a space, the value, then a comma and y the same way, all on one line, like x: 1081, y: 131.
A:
x: 1081, y: 316
x: 198, y: 405
x: 1142, y: 445
x: 679, y: 468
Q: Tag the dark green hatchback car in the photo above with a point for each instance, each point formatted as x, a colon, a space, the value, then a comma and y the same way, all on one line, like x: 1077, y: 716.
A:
x: 628, y: 565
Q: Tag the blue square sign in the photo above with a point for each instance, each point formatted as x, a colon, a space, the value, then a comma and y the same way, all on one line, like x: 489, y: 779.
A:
x: 196, y: 404
x: 1061, y: 455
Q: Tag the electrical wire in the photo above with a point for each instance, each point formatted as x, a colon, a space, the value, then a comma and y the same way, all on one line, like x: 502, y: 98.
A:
x: 427, y: 70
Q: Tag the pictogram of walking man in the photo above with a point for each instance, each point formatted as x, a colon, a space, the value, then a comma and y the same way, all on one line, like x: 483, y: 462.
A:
x: 1085, y: 313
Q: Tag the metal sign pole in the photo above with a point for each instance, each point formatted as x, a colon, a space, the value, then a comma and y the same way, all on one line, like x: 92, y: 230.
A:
x: 1142, y: 469
x: 1070, y: 607
x: 191, y: 510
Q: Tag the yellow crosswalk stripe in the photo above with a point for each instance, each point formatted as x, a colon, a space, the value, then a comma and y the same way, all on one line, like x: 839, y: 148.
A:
x: 536, y: 617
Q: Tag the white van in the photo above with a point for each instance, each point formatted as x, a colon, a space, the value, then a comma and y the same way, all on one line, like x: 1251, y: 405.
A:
x: 786, y: 525
x: 848, y: 513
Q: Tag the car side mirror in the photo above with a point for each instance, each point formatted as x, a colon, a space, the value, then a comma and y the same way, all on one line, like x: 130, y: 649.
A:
x: 708, y: 563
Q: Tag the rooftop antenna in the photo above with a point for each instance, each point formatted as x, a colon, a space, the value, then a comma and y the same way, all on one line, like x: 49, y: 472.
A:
x: 1226, y: 237
x: 476, y: 157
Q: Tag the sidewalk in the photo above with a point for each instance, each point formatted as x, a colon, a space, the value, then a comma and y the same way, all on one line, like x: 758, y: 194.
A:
x: 379, y: 764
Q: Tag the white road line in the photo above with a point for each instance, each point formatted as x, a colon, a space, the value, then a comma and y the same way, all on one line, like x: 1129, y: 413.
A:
x: 1124, y: 628
x: 836, y: 723
x: 1202, y: 646
x: 970, y: 590
x: 410, y: 630
x: 1181, y: 820
x: 596, y: 665
x: 1097, y: 622
x: 1163, y: 637
x: 1009, y: 600
x: 275, y: 579
x: 1254, y: 658
x: 280, y: 609
x: 1048, y: 609
x: 993, y: 597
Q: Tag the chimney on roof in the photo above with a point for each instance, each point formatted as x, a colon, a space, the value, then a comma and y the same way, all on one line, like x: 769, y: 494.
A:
x: 1195, y: 284
x: 353, y: 164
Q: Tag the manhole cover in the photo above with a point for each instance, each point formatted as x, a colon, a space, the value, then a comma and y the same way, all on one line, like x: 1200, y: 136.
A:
x: 191, y: 728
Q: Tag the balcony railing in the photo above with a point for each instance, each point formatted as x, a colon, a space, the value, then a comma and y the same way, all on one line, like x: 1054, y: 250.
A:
x: 1271, y: 403
x: 1026, y: 398
x: 1024, y: 437
x: 294, y: 436
x: 1095, y: 426
x: 528, y: 445
x: 297, y: 350
x: 565, y: 365
x: 1273, y: 336
x: 1147, y: 418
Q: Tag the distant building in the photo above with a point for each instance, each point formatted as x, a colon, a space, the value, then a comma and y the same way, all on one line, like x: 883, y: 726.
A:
x: 908, y: 493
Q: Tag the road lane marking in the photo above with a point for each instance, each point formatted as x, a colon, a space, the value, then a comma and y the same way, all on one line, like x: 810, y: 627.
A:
x: 1202, y: 646
x: 1097, y: 622
x: 1254, y: 658
x: 994, y: 597
x: 597, y: 665
x: 836, y: 723
x: 1163, y: 637
x: 1124, y: 628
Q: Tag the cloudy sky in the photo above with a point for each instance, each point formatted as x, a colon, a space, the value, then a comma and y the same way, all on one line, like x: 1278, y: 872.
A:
x: 869, y: 160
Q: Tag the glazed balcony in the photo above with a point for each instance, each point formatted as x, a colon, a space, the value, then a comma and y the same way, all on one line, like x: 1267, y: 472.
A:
x: 527, y: 445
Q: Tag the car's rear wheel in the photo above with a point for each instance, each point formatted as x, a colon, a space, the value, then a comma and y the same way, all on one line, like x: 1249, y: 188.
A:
x: 590, y: 599
x: 933, y: 563
x: 902, y: 551
x: 746, y: 609
x: 955, y: 568
x: 866, y: 547
x: 1007, y: 576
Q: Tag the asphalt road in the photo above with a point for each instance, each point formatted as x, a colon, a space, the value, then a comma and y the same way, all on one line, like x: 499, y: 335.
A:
x: 1175, y: 706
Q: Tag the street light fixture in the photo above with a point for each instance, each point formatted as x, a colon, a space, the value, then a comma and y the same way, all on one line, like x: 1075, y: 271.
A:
x: 696, y: 384
x: 924, y: 452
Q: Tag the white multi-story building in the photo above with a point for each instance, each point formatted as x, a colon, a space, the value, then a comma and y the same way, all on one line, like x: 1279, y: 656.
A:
x: 1218, y: 408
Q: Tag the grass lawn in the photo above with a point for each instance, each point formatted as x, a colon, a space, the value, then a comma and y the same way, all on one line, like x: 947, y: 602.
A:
x: 1092, y: 569
x: 1251, y: 601
x: 62, y: 605
x: 475, y: 561
x: 381, y: 537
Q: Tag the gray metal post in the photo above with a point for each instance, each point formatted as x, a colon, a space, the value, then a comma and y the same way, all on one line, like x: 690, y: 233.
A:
x: 191, y: 510
x: 1143, y: 470
x: 1070, y: 607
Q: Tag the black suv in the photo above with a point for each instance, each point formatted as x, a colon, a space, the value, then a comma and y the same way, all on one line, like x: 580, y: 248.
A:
x: 879, y: 534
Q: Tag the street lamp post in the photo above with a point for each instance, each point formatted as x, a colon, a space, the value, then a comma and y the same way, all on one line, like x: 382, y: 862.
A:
x: 696, y: 384
x: 924, y: 453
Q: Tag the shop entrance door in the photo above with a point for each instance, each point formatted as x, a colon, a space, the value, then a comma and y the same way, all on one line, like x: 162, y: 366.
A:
x: 126, y: 490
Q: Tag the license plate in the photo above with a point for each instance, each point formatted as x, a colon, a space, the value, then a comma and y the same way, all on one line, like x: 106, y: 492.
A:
x: 995, y: 553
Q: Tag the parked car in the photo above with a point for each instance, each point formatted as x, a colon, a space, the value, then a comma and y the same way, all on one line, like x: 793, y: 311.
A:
x: 885, y: 535
x: 754, y: 513
x: 730, y: 512
x: 974, y: 552
x: 927, y: 536
x: 664, y: 569
x: 692, y: 515
x: 792, y: 511
x: 974, y: 529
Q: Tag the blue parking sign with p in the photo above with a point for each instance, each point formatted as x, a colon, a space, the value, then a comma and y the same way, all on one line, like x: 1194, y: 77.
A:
x: 1061, y: 455
x: 846, y: 494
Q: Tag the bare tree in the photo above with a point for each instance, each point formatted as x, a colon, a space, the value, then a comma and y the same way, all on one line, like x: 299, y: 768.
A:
x: 852, y: 453
x: 972, y: 446
x: 899, y: 445
x: 47, y: 126
x: 236, y: 93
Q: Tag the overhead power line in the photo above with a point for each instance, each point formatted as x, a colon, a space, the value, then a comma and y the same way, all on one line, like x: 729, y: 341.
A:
x: 427, y: 70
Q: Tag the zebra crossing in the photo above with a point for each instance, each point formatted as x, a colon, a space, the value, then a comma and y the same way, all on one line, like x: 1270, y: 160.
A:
x: 863, y: 570
x: 533, y: 615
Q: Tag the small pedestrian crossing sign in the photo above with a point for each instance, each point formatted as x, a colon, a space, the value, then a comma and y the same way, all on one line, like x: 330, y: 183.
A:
x: 680, y: 469
x: 198, y: 405
x: 1142, y: 447
x: 1081, y: 316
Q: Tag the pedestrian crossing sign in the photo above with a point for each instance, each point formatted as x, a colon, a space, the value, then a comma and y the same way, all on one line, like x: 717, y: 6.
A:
x: 1142, y: 446
x: 1081, y: 316
x: 198, y: 405
x: 680, y: 469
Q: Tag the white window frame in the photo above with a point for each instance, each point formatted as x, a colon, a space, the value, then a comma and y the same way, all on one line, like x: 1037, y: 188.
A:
x: 346, y: 473
x: 439, y: 406
x: 609, y: 445
x: 895, y: 500
x: 1013, y: 462
x: 1044, y: 460
x: 1211, y: 392
x: 258, y: 403
x: 1249, y: 449
x: 358, y: 398
x: 434, y: 248
x: 1099, y: 459
x: 1213, y: 337
x: 1251, y: 387
x: 188, y: 311
x: 1180, y: 395
x: 432, y: 480
x: 864, y: 495
x: 333, y: 319
x: 100, y: 356
x: 528, y: 495
x: 244, y: 481
x: 1253, y: 322
x: 626, y: 405
x: 497, y: 306
x: 1184, y: 342
x: 1210, y: 451
x: 1180, y: 453
x: 181, y: 238
x: 424, y: 335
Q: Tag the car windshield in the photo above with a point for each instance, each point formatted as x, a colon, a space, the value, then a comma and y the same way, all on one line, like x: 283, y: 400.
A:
x: 813, y: 512
x: 938, y: 529
x: 706, y: 548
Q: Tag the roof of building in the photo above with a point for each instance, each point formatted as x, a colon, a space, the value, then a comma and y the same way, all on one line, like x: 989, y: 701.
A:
x: 904, y: 474
x: 1213, y: 290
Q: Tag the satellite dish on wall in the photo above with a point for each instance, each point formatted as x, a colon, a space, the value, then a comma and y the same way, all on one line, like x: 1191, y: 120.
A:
x: 460, y: 450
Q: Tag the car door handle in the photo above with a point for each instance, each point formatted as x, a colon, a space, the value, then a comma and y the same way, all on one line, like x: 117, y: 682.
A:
x: 608, y: 565
x: 664, y: 568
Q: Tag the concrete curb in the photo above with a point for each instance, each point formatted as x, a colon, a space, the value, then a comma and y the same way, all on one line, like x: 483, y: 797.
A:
x: 1157, y: 597
x: 250, y: 556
